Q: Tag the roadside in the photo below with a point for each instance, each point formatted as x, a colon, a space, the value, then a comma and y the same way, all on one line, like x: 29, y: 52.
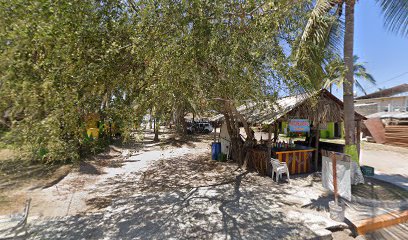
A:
x: 390, y: 162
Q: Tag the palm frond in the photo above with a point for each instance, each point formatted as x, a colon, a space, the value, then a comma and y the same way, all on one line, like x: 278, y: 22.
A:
x: 359, y: 86
x: 322, y: 34
x: 370, y: 78
x: 359, y: 67
x: 395, y: 15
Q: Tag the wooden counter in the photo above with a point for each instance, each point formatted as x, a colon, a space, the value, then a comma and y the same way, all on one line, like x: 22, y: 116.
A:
x: 298, y: 158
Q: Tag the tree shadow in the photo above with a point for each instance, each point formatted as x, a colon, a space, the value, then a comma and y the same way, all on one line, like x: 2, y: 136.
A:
x: 184, y: 198
x: 88, y: 168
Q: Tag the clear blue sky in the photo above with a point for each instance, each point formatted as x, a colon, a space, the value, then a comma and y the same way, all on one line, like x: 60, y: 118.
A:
x: 385, y: 53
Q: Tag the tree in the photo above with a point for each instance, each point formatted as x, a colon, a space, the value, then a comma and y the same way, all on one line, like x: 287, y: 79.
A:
x: 359, y: 71
x: 61, y: 61
x: 318, y: 31
x: 217, y: 55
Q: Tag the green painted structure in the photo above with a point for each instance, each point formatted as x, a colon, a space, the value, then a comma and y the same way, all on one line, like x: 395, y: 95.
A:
x: 329, y: 132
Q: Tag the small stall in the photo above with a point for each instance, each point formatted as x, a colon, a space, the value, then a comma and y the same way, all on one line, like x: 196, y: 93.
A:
x: 298, y: 158
x: 306, y: 116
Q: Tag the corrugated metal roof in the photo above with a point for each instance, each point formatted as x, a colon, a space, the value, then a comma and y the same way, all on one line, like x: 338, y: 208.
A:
x: 386, y: 92
x: 398, y: 115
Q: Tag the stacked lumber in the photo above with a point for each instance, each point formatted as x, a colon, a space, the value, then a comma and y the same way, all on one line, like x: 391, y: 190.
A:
x: 397, y: 135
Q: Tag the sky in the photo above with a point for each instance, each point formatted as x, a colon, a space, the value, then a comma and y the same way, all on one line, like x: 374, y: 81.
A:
x: 385, y: 53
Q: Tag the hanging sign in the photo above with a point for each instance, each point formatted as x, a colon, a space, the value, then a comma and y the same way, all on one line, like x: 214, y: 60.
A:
x: 299, y: 125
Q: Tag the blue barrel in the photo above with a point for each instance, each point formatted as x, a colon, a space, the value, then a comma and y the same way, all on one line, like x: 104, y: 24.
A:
x: 215, y: 150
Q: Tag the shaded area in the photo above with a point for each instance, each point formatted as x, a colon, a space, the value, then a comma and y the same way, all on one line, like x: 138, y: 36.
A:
x: 185, y: 198
x: 88, y: 168
x: 379, y: 190
x: 15, y: 173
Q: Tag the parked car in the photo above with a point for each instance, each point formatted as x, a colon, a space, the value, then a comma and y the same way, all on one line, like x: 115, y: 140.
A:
x: 204, y: 127
x: 199, y: 127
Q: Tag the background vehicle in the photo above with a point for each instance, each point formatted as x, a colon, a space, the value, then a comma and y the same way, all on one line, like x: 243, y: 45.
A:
x: 199, y: 127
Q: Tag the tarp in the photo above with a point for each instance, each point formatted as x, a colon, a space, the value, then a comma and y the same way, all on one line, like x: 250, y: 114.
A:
x: 343, y: 164
x: 224, y: 139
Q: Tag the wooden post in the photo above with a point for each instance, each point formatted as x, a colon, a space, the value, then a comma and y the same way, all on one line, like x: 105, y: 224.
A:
x: 334, y: 168
x: 275, y: 131
x: 358, y: 132
x: 215, y: 133
x: 269, y: 141
x: 269, y: 149
x: 316, y: 158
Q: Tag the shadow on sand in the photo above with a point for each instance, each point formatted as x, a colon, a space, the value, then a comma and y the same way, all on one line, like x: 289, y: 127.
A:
x: 184, y: 198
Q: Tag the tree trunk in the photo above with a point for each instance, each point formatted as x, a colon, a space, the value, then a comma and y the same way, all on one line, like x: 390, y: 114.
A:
x: 150, y: 119
x: 239, y: 148
x: 348, y: 83
x: 156, y: 130
x: 179, y: 121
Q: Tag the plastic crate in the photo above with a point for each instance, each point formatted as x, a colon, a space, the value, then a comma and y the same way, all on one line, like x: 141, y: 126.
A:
x: 367, y: 171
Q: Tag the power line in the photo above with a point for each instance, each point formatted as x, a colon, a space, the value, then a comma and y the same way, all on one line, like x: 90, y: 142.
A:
x: 400, y: 75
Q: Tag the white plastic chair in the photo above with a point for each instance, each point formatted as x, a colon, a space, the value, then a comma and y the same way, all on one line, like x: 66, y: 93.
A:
x: 278, y: 168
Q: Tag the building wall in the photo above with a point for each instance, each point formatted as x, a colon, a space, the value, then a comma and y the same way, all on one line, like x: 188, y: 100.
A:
x: 366, y: 109
x: 389, y: 104
x: 329, y: 132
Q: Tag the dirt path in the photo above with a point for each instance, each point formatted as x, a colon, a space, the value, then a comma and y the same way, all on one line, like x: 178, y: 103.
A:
x: 173, y: 190
x: 73, y: 188
x: 70, y: 195
x: 189, y: 196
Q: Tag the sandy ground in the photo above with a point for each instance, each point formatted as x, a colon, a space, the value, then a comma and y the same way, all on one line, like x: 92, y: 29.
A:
x: 390, y: 163
x: 175, y: 191
x: 191, y: 196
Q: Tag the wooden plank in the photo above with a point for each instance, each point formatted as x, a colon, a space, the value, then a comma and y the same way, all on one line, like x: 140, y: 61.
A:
x: 305, y: 161
x: 308, y: 150
x: 397, y: 135
x: 381, y: 221
x: 376, y: 129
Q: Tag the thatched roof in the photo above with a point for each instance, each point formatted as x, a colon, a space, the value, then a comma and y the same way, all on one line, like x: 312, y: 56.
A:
x: 320, y: 106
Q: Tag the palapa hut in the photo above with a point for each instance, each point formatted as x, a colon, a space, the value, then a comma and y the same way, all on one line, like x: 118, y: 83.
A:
x: 316, y: 110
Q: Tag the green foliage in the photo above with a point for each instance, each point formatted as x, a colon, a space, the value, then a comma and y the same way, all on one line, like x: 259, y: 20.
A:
x: 63, y: 60
x: 335, y: 70
x: 59, y: 62
x: 395, y: 15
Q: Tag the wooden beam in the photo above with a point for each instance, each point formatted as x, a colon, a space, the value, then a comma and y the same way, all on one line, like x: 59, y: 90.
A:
x: 334, y: 169
x: 275, y: 131
x: 316, y: 158
x: 358, y: 132
x: 269, y: 144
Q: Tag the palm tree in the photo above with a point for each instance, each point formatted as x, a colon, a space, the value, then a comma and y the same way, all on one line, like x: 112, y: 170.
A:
x: 318, y: 31
x: 334, y: 71
x: 360, y: 73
